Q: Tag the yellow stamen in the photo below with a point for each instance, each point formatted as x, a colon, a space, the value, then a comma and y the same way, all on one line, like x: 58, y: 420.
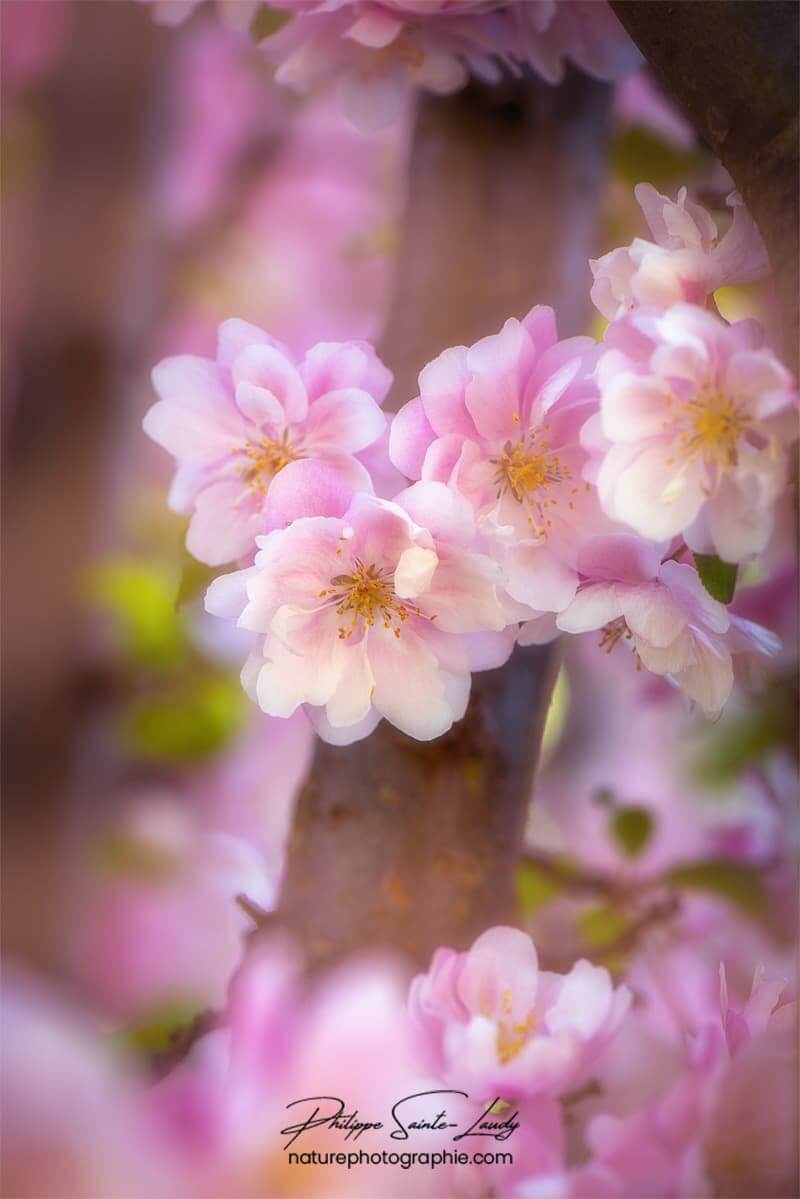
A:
x: 527, y: 469
x: 366, y: 595
x: 263, y: 461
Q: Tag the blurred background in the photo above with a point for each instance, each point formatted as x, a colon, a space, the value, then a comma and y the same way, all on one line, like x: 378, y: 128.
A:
x: 154, y: 182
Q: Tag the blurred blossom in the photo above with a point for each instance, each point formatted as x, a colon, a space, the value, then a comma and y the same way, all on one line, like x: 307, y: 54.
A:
x: 495, y: 1023
x: 378, y: 52
x: 686, y: 261
x: 161, y: 931
x: 73, y: 1120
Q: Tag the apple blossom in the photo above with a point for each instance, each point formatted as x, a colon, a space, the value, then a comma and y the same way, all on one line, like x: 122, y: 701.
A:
x: 233, y: 424
x: 500, y: 422
x: 687, y: 261
x: 695, y: 417
x: 497, y: 1024
x: 664, y: 612
x: 378, y: 51
x: 363, y: 612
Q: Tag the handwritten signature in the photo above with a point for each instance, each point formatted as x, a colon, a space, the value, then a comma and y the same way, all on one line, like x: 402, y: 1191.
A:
x: 329, y: 1112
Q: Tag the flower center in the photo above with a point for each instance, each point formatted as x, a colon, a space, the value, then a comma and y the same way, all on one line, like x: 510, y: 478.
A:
x: 263, y: 460
x: 527, y: 469
x: 613, y: 632
x: 716, y: 425
x: 366, y: 595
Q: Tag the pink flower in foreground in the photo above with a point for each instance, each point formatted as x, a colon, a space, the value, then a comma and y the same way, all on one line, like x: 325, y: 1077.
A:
x: 378, y: 51
x: 695, y: 416
x: 686, y: 261
x: 500, y: 422
x: 233, y: 424
x: 665, y: 613
x: 364, y: 607
x: 497, y: 1024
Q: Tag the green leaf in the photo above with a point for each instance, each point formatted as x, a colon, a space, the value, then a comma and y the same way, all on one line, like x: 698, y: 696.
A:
x: 602, y: 926
x: 740, y: 885
x: 127, y: 857
x: 534, y: 888
x: 266, y: 22
x: 718, y: 577
x: 155, y: 1031
x: 141, y: 601
x: 632, y: 827
x: 638, y: 154
x: 195, y: 722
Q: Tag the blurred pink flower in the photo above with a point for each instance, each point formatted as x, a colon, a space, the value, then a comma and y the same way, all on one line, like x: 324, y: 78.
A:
x: 73, y: 1119
x: 686, y: 262
x: 160, y: 926
x: 663, y: 610
x: 234, y: 424
x: 494, y: 1023
x: 379, y: 50
x: 236, y: 14
x: 695, y: 417
x: 365, y: 607
x: 500, y: 423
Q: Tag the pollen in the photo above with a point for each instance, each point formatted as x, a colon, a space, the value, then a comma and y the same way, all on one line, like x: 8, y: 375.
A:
x: 262, y: 461
x: 716, y: 425
x: 529, y: 470
x: 512, y: 1038
x: 613, y: 632
x: 365, y: 597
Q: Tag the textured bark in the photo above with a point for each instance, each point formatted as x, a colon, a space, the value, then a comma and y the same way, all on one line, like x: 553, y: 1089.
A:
x: 414, y: 845
x: 734, y: 70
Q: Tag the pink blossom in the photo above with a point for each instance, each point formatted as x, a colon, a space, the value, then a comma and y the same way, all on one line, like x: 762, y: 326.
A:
x: 497, y: 1024
x: 236, y: 14
x: 500, y: 422
x: 379, y: 50
x: 695, y: 417
x: 160, y: 923
x: 664, y: 612
x: 73, y: 1118
x: 365, y: 607
x: 233, y: 424
x: 687, y: 260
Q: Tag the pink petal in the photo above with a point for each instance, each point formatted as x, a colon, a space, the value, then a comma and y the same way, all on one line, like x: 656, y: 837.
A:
x: 196, y: 420
x: 494, y: 394
x: 463, y: 595
x: 308, y: 487
x: 266, y: 367
x: 634, y: 407
x: 330, y: 366
x: 409, y: 438
x: 235, y: 335
x: 628, y: 559
x: 409, y: 687
x: 583, y: 1003
x: 536, y: 577
x: 261, y: 407
x: 651, y: 613
x: 446, y: 514
x: 224, y: 525
x: 592, y: 608
x: 344, y: 421
x: 656, y: 497
x: 442, y: 385
x: 500, y: 976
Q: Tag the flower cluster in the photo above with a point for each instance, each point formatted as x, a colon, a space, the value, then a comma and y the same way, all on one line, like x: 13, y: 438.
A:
x: 378, y: 50
x: 485, y: 1053
x: 557, y: 485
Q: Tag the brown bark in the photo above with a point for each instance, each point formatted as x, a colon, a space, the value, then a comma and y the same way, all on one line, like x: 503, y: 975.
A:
x: 411, y: 845
x: 733, y: 67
